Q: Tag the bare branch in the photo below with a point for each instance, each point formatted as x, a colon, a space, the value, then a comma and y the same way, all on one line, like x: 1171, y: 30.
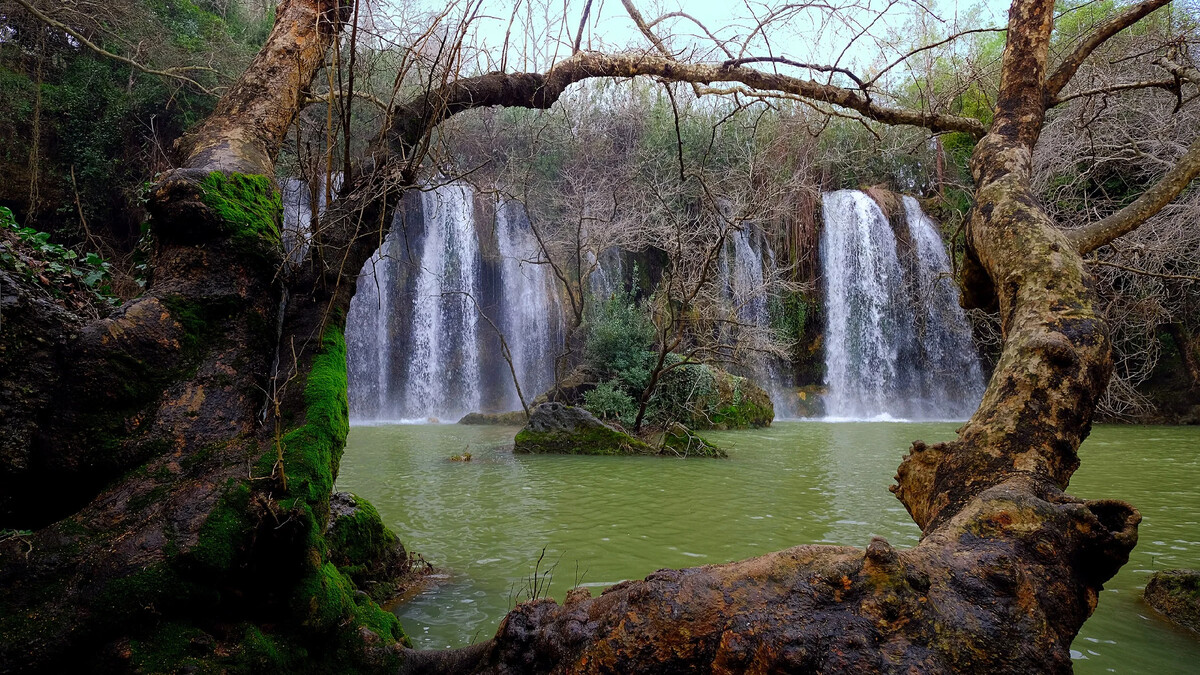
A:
x: 1066, y: 70
x: 1160, y: 275
x: 1128, y: 219
x: 536, y: 90
x: 173, y: 73
x: 1168, y: 85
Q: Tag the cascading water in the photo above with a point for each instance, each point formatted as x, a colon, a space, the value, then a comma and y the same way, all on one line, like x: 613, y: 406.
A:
x: 443, y: 374
x: 531, y: 312
x: 419, y: 329
x: 896, y: 339
x: 742, y: 265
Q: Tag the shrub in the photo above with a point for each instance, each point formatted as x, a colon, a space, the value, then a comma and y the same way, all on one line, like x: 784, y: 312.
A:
x: 609, y: 401
x: 619, y: 336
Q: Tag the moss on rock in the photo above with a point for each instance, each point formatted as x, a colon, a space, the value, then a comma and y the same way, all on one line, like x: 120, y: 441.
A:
x: 1176, y: 595
x: 555, y: 428
x: 740, y: 404
x: 680, y: 440
x: 514, y: 418
x: 248, y: 206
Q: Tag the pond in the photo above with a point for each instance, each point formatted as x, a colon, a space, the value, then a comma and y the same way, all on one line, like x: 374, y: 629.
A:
x: 600, y: 520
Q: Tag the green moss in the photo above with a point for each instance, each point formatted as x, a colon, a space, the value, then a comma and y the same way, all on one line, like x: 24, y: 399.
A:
x: 174, y: 648
x: 741, y: 405
x: 248, y: 206
x: 312, y: 452
x: 360, y: 539
x: 225, y: 530
x: 260, y: 651
x: 594, y: 441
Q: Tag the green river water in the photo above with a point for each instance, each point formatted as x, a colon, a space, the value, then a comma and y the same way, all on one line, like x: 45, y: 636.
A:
x: 604, y: 519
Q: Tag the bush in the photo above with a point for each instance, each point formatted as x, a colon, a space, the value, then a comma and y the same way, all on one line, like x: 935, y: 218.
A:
x: 684, y: 392
x: 619, y: 337
x: 609, y: 402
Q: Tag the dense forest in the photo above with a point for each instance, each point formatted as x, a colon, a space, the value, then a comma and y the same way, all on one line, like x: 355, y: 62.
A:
x: 173, y: 353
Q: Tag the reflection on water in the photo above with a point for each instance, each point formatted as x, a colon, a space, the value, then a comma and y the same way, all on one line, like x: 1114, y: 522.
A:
x: 604, y: 519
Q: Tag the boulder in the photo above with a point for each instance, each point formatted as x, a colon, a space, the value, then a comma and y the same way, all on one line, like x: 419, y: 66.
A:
x: 739, y: 404
x: 363, y: 548
x: 564, y: 429
x: 515, y: 418
x: 1176, y: 595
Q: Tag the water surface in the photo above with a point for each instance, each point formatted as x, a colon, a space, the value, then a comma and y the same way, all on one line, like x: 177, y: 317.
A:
x: 604, y: 519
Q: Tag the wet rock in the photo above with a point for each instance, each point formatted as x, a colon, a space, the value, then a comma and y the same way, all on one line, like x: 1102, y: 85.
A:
x: 1176, y: 595
x: 563, y: 429
x: 515, y: 418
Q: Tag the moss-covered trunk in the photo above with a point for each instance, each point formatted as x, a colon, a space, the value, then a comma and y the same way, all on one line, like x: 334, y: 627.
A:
x: 176, y: 480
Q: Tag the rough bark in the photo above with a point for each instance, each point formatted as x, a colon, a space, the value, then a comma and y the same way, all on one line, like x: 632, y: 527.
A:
x: 178, y: 480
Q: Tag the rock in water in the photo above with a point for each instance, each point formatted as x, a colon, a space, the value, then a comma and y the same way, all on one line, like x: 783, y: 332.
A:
x: 563, y: 429
x: 515, y: 418
x: 1176, y: 595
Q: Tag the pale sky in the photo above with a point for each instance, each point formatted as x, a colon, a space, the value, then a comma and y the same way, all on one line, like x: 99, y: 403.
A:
x: 543, y: 30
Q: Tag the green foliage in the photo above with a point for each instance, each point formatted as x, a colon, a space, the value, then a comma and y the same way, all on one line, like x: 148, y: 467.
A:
x: 609, y: 401
x: 791, y: 315
x: 31, y: 254
x: 619, y: 335
x: 684, y: 392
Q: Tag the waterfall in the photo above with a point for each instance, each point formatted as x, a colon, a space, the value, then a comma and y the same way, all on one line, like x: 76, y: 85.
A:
x: 531, y: 315
x: 608, y: 273
x: 896, y: 340
x: 443, y: 377
x: 419, y: 330
x: 741, y: 265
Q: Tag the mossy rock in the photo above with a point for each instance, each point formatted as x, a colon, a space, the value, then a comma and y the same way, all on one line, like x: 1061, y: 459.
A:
x: 363, y: 548
x: 515, y: 418
x: 555, y: 428
x: 1176, y: 595
x: 740, y: 404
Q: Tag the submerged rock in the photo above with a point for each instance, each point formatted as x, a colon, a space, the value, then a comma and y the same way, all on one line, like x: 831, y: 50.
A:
x: 515, y: 418
x: 1176, y: 595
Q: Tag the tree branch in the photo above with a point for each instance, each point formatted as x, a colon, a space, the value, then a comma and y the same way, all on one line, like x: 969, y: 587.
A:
x: 1168, y: 85
x: 1066, y: 70
x: 1091, y: 237
x: 1148, y: 273
x: 173, y: 73
x: 537, y: 90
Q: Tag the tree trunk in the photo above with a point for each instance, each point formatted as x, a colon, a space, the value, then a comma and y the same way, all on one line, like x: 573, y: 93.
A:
x: 178, y: 476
